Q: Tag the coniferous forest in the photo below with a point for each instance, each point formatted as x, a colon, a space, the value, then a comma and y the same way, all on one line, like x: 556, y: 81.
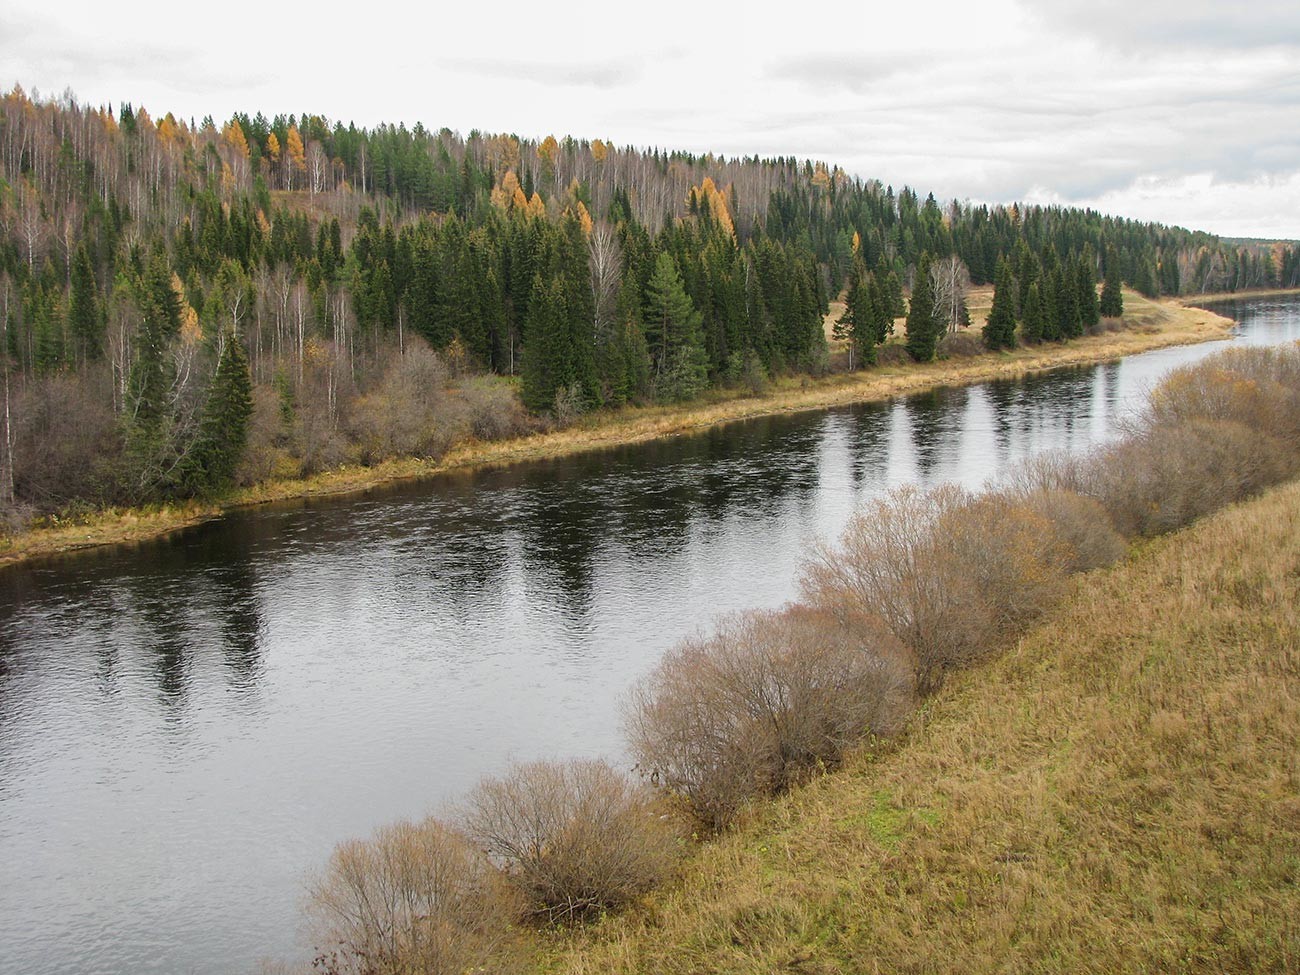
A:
x: 186, y: 306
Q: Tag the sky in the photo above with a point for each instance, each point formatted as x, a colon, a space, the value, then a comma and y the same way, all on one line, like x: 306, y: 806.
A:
x: 1183, y: 112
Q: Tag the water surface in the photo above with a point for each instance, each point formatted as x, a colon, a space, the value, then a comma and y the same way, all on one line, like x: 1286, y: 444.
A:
x: 188, y: 725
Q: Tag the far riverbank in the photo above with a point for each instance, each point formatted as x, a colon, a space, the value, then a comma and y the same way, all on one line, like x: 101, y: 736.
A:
x: 1147, y: 325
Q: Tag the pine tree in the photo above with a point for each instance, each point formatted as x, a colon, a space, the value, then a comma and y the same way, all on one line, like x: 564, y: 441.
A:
x: 1000, y: 328
x: 1112, y: 299
x: 922, y: 323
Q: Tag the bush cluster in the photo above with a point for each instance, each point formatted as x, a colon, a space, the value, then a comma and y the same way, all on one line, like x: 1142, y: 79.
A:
x: 920, y: 582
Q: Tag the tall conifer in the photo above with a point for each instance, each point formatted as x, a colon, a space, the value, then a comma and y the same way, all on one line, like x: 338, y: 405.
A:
x: 922, y: 322
x: 1000, y: 328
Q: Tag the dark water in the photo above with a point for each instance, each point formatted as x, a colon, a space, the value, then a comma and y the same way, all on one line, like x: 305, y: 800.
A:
x: 188, y: 726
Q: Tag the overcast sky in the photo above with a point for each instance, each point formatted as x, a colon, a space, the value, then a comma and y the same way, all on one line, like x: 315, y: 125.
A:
x: 1185, y: 112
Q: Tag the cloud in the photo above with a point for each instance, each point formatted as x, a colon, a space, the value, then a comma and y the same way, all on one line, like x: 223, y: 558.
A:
x: 1161, y: 23
x: 851, y: 71
x: 603, y: 75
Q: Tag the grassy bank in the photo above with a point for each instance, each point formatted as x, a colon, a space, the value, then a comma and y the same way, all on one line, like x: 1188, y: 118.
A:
x: 1118, y: 792
x: 1147, y: 325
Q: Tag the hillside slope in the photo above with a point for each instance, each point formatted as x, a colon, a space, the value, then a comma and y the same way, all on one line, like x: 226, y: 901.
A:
x: 1119, y: 792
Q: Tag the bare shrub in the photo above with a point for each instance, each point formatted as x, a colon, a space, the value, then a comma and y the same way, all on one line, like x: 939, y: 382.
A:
x: 406, y: 415
x: 951, y: 575
x: 1257, y: 388
x: 763, y: 701
x: 1054, y: 470
x: 892, y: 354
x: 320, y: 403
x: 1174, y: 474
x: 67, y: 441
x: 1082, y: 524
x: 265, y: 456
x: 960, y: 345
x: 417, y: 897
x: 571, y: 837
x: 493, y: 410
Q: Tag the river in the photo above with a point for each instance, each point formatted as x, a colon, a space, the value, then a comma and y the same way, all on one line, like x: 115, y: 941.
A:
x: 189, y: 725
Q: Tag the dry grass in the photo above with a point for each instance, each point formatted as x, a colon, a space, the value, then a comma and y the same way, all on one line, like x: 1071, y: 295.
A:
x: 1151, y: 325
x: 1118, y: 792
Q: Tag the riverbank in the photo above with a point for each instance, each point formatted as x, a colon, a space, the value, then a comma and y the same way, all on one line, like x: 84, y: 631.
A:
x: 1117, y: 792
x: 1147, y: 325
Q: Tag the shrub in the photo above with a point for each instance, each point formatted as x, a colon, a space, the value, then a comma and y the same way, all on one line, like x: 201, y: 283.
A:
x: 1173, y: 474
x: 571, y: 838
x: 960, y: 345
x: 763, y: 701
x: 1257, y: 388
x: 1081, y: 524
x: 951, y: 575
x: 417, y: 897
x: 406, y: 415
x: 493, y: 409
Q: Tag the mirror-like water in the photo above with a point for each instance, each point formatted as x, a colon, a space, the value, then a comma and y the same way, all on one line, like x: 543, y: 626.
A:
x: 188, y: 726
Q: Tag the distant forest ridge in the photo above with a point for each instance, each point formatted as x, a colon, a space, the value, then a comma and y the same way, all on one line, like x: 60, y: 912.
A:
x: 184, y: 306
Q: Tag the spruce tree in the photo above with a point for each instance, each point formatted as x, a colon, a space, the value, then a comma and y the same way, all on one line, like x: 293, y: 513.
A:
x: 1033, y: 322
x: 672, y: 323
x: 547, y: 356
x: 1067, y: 304
x: 1051, y: 320
x: 83, y: 309
x: 223, y: 431
x: 1112, y: 299
x: 857, y: 325
x: 1089, y: 313
x: 1000, y: 328
x: 922, y: 322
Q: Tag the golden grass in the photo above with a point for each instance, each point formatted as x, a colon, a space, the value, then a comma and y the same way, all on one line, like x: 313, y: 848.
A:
x: 1120, y: 792
x: 1148, y: 325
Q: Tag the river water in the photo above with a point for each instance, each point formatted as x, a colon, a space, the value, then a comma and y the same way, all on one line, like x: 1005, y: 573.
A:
x: 189, y: 725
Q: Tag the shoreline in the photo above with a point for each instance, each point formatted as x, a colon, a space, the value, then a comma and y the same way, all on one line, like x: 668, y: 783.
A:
x: 1148, y: 325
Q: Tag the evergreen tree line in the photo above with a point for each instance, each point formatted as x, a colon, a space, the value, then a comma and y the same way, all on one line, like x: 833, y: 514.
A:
x: 164, y: 282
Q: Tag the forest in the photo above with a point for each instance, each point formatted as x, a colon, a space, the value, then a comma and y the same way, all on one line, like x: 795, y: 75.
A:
x: 186, y: 307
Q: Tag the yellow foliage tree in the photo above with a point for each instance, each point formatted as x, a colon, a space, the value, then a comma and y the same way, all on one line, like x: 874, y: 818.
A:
x: 508, y: 193
x: 599, y: 150
x: 295, y: 155
x: 234, y: 134
x: 536, y: 208
x: 168, y: 132
x: 547, y: 150
x: 273, y: 148
x: 709, y: 196
x: 191, y: 330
